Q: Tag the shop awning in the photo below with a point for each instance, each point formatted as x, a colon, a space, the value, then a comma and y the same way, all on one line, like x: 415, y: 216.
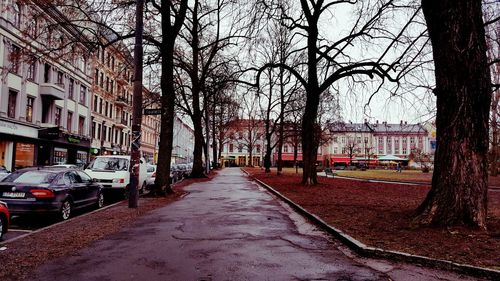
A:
x: 390, y: 157
x: 229, y: 157
x: 339, y: 159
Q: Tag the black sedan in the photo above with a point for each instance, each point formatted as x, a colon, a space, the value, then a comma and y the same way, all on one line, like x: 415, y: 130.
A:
x: 49, y: 190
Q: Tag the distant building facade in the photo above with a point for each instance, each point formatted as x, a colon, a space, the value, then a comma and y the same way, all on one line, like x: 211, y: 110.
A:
x: 365, y: 142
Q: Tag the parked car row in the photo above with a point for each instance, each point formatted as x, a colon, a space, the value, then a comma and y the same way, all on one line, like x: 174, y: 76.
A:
x: 177, y: 172
x: 49, y: 190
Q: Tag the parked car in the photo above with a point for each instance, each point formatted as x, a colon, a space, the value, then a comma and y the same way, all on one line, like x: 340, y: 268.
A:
x: 183, y: 171
x: 151, y: 174
x: 50, y: 190
x: 72, y: 166
x: 113, y: 172
x: 3, y: 172
x: 4, y: 219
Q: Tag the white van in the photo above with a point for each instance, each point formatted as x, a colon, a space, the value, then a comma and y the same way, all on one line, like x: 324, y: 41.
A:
x: 112, y: 171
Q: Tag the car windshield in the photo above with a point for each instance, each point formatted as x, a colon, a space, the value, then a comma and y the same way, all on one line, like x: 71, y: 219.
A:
x: 109, y: 163
x: 35, y: 177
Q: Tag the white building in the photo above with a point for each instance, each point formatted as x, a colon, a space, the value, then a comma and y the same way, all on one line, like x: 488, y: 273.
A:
x: 183, y: 142
x: 44, y: 98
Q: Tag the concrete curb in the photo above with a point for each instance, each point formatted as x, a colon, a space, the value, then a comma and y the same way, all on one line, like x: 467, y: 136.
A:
x: 57, y: 224
x: 368, y: 251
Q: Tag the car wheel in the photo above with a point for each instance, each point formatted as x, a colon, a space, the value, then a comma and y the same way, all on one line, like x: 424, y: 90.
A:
x: 66, y: 209
x: 100, y: 200
x: 2, y: 225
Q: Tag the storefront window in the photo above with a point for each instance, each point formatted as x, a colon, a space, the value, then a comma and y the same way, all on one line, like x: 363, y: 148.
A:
x: 60, y: 155
x: 25, y: 155
x: 81, y: 157
x: 5, y: 154
x: 29, y: 109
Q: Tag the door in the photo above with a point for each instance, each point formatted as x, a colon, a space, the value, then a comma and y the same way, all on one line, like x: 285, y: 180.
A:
x: 76, y: 188
x: 92, y: 188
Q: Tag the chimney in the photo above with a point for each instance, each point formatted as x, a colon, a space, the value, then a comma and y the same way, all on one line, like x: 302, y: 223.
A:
x: 401, y: 122
x: 377, y: 122
x: 406, y: 122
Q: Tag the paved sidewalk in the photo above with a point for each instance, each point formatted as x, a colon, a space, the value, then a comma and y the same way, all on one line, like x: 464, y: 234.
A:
x: 226, y: 229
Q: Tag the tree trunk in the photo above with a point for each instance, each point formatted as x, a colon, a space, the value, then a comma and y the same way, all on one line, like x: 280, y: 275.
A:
x: 460, y: 180
x: 281, y: 138
x: 214, y: 137
x: 494, y: 134
x: 196, y: 117
x: 162, y: 181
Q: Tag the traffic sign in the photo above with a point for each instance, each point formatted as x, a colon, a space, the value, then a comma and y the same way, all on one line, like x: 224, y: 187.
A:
x: 152, y: 111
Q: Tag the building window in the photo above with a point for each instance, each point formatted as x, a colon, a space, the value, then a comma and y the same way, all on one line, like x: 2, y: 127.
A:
x: 16, y: 15
x: 99, y: 128
x: 11, y: 111
x: 96, y: 78
x: 111, y: 111
x: 258, y: 148
x: 96, y: 99
x: 100, y: 105
x: 57, y: 119
x: 335, y: 139
x: 389, y: 145
x: 240, y: 148
x: 46, y: 73
x: 31, y: 69
x: 69, y: 121
x: 15, y: 59
x: 29, y: 109
x: 101, y: 81
x: 71, y: 88
x: 93, y: 130
x: 231, y: 147
x: 25, y: 155
x: 83, y: 95
x: 60, y: 78
x: 81, y: 125
x: 396, y: 145
x: 106, y: 109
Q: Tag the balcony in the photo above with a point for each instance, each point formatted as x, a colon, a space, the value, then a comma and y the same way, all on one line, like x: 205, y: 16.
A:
x: 120, y: 123
x: 52, y: 91
x: 121, y: 101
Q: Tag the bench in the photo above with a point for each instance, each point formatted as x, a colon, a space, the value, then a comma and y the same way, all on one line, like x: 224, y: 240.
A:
x: 328, y: 172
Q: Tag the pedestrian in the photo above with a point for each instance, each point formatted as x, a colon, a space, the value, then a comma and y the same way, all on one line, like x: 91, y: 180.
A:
x: 398, y: 167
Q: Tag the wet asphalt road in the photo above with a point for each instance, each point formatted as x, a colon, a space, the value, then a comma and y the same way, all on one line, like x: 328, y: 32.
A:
x: 226, y: 229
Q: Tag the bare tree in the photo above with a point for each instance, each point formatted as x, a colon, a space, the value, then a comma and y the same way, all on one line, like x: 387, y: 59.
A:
x: 205, y: 40
x: 329, y: 61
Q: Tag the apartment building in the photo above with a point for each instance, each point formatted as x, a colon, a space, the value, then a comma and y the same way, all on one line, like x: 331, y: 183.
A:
x: 44, y: 96
x: 183, y: 142
x: 111, y: 100
x: 244, y: 136
x: 366, y: 142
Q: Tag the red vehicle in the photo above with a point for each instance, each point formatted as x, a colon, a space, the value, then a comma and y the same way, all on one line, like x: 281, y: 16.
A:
x: 4, y: 218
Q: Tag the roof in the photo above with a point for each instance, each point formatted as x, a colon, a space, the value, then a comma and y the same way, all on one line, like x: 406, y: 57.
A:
x: 383, y: 127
